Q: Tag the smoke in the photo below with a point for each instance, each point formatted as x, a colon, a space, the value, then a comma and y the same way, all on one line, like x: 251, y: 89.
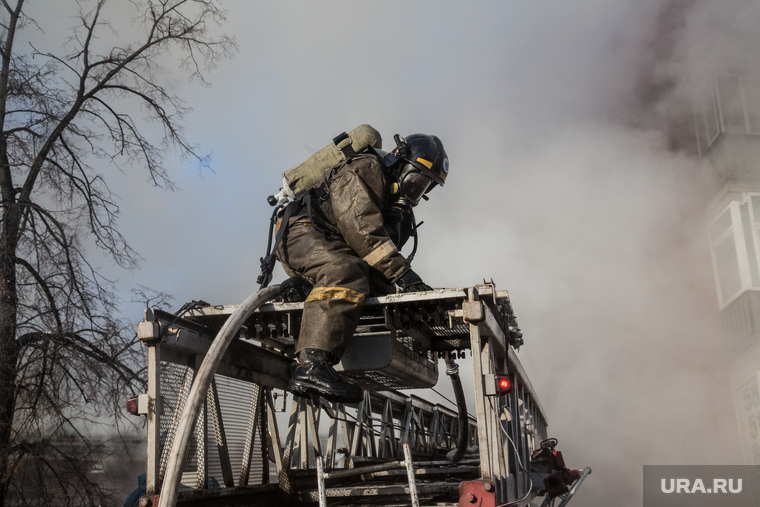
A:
x: 596, y: 225
x: 599, y: 239
x: 573, y: 185
x: 671, y: 51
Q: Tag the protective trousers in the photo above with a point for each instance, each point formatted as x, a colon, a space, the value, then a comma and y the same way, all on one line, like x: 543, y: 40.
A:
x: 341, y: 283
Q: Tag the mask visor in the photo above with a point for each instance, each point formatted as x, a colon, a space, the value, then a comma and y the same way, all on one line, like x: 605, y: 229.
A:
x: 414, y: 185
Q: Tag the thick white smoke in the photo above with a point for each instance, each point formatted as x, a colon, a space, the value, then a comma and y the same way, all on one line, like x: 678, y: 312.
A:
x: 571, y: 186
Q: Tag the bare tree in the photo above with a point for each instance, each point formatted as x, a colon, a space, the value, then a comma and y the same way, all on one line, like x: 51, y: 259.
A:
x: 68, y: 114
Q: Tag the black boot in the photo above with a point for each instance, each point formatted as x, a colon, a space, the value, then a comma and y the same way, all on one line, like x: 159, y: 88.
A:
x: 315, y: 376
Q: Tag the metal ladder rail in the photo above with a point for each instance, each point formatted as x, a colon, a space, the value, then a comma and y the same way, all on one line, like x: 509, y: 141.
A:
x: 363, y: 461
x: 500, y: 457
x: 361, y: 437
x: 474, y: 312
x: 407, y: 464
x: 303, y: 446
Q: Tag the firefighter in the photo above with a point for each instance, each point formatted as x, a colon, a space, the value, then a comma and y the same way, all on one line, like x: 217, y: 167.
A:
x: 343, y: 245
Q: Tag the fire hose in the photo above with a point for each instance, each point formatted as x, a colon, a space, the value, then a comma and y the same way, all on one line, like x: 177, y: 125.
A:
x: 200, y: 387
x: 452, y: 370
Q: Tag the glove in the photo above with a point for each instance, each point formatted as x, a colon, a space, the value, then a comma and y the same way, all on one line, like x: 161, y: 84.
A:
x: 411, y: 282
x: 295, y: 289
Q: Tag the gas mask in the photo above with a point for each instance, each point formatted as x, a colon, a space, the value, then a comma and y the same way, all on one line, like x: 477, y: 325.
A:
x: 413, y: 184
x: 417, y: 164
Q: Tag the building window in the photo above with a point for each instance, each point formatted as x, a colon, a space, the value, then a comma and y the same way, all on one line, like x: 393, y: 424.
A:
x: 735, y: 243
x: 707, y: 119
x: 729, y: 94
x: 725, y: 259
x: 730, y: 104
x: 752, y: 96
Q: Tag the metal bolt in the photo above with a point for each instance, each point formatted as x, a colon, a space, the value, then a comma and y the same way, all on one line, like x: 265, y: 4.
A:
x: 145, y: 502
x: 472, y: 498
x: 488, y: 486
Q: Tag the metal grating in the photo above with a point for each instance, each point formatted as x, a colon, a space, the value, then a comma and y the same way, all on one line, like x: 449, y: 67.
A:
x: 235, y: 399
x: 175, y: 385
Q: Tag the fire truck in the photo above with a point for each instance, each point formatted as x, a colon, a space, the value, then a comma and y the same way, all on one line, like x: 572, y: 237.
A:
x: 223, y: 430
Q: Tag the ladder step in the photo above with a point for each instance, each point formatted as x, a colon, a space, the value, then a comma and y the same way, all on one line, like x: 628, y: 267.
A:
x: 379, y: 490
x: 423, y: 473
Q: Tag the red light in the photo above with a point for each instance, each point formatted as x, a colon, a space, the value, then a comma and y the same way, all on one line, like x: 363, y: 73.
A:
x: 132, y: 406
x: 503, y: 384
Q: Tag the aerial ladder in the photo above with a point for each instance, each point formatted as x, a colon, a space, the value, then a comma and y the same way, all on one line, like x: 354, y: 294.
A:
x: 222, y: 429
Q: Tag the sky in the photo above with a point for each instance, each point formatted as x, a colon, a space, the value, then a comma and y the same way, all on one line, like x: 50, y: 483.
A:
x: 564, y: 189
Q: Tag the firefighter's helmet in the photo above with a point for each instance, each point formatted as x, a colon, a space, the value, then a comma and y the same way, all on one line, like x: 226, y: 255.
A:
x: 424, y: 165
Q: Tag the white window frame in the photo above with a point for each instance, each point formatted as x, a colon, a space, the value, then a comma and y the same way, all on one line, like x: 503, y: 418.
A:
x: 710, y: 110
x: 740, y: 246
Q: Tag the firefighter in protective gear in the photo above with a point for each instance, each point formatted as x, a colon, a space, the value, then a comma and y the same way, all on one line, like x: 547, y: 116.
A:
x: 345, y: 241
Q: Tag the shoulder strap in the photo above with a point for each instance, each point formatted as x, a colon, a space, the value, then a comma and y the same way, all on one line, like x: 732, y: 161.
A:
x: 314, y: 211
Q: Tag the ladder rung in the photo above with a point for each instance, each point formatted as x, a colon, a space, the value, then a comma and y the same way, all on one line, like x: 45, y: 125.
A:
x: 376, y: 490
x: 428, y: 471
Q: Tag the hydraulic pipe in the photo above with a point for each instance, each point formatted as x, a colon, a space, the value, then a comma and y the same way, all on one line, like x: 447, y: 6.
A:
x: 452, y: 370
x: 585, y: 473
x: 197, y: 396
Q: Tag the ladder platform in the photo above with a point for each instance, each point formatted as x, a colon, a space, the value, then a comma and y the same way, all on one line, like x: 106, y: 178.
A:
x: 435, y: 317
x: 399, y: 336
x: 245, y: 436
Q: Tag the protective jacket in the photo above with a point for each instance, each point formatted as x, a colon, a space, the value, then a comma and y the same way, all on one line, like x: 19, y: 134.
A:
x: 347, y: 233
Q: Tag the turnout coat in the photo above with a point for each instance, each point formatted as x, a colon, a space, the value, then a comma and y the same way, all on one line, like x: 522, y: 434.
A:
x: 345, y: 240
